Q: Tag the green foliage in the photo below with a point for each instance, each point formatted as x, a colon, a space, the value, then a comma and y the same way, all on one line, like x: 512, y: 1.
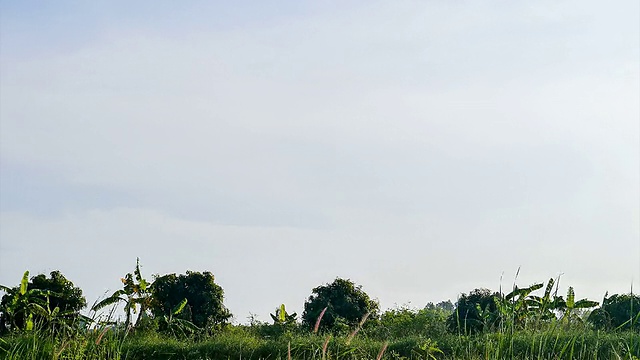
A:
x: 519, y: 309
x: 404, y: 322
x: 475, y: 312
x: 346, y: 305
x: 446, y: 306
x: 283, y: 323
x: 485, y: 325
x: 65, y: 295
x: 428, y: 349
x: 204, y: 307
x: 570, y: 307
x: 135, y: 294
x: 176, y: 326
x: 618, y: 312
x: 238, y: 342
x: 101, y: 344
x: 53, y: 303
x: 542, y: 308
x: 282, y: 318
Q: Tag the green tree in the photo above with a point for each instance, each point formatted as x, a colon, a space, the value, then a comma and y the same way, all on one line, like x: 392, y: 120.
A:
x: 346, y: 305
x: 617, y: 312
x: 65, y: 295
x: 475, y: 312
x: 51, y: 302
x: 204, y: 305
x: 444, y: 305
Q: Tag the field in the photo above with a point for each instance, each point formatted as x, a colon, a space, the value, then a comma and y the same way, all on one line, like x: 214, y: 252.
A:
x: 246, y: 342
x: 183, y: 317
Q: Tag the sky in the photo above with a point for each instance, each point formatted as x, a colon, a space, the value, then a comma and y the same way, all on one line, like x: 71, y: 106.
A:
x: 421, y: 149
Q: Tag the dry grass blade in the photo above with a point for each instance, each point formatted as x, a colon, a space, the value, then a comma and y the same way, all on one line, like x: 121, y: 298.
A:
x: 355, y: 331
x: 324, y: 347
x: 289, y: 350
x: 384, y: 348
x: 317, y: 326
x: 101, y: 335
x: 64, y: 345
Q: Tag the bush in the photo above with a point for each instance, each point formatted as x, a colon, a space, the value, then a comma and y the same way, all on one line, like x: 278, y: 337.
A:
x: 474, y: 312
x: 346, y: 305
x: 617, y: 312
x: 204, y: 308
x: 42, y: 296
x: 404, y: 321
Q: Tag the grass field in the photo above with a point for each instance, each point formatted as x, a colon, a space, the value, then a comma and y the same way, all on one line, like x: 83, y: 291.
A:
x: 243, y: 342
x: 481, y: 325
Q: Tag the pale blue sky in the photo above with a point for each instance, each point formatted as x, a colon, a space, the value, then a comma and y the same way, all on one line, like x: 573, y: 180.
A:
x: 420, y: 148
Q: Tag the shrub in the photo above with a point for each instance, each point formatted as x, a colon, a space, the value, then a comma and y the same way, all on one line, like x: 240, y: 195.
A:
x: 204, y: 307
x: 345, y: 302
x: 617, y: 312
x: 475, y: 312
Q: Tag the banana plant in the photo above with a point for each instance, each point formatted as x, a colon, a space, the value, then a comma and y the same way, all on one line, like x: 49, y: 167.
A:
x: 487, y: 317
x: 135, y: 294
x: 59, y: 319
x: 178, y: 326
x: 281, y: 317
x: 543, y: 307
x: 570, y: 306
x: 515, y: 307
x: 23, y: 303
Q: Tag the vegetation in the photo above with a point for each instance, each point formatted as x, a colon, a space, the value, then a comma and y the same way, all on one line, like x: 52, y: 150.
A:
x: 197, y: 292
x: 52, y: 302
x: 341, y: 303
x: 135, y: 293
x: 476, y: 312
x: 618, y: 312
x: 183, y: 317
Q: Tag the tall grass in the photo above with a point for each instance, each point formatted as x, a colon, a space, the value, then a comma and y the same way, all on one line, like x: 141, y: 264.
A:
x: 234, y: 344
x: 44, y: 345
x: 109, y: 342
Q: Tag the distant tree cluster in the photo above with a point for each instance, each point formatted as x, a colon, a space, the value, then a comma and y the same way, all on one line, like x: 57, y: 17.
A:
x: 183, y: 304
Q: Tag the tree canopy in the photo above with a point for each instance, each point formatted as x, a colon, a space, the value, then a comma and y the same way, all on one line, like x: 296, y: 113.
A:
x: 345, y: 302
x: 619, y: 311
x: 474, y: 312
x: 49, y: 301
x: 204, y: 306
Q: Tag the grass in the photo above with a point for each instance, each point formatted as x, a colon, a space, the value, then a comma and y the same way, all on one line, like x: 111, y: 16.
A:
x: 240, y: 343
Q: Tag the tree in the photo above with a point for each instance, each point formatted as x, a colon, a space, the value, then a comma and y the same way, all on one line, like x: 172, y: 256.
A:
x: 204, y: 298
x: 64, y: 295
x: 134, y: 293
x: 51, y: 302
x: 345, y: 302
x: 617, y: 312
x: 446, y: 306
x: 475, y: 312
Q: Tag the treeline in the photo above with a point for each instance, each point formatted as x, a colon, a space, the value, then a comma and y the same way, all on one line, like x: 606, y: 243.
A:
x: 192, y: 304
